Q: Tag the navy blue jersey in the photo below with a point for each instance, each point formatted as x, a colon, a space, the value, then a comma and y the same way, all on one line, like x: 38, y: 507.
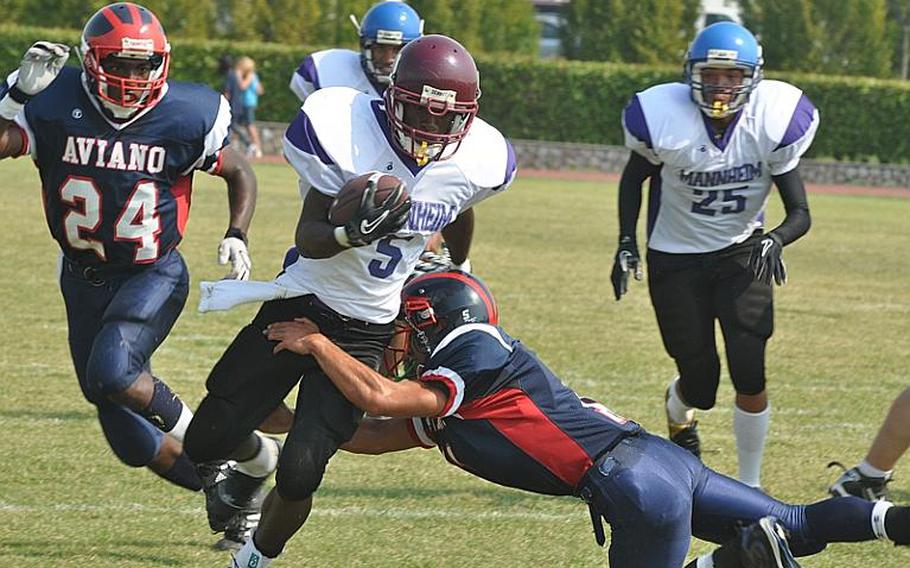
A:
x: 509, y: 419
x: 119, y: 193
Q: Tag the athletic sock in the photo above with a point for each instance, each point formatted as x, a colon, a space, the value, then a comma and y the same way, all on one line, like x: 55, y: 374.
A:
x: 678, y: 411
x: 870, y: 470
x: 264, y: 462
x: 250, y: 556
x: 183, y: 473
x: 166, y: 411
x: 750, y: 429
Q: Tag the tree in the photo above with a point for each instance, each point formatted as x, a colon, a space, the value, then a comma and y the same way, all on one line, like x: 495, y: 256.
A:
x: 854, y: 37
x: 786, y: 31
x: 646, y: 31
x: 509, y: 25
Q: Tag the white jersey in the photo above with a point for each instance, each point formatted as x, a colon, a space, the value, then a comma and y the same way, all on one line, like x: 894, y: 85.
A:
x: 331, y: 68
x: 711, y: 192
x: 340, y: 134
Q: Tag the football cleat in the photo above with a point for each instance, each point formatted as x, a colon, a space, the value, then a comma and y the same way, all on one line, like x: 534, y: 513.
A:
x: 853, y: 482
x: 684, y: 435
x: 763, y: 544
x: 241, y: 526
x: 228, y: 494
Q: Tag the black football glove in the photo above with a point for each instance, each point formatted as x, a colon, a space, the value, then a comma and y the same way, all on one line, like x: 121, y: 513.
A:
x: 767, y: 262
x: 627, y: 260
x: 373, y: 221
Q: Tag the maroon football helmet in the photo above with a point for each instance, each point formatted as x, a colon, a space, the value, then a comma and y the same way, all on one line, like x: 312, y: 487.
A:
x: 432, y: 98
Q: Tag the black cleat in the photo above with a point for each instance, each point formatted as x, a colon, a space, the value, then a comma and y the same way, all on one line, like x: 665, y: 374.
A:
x: 686, y: 437
x: 763, y: 544
x: 852, y: 482
x: 240, y: 527
x: 228, y: 494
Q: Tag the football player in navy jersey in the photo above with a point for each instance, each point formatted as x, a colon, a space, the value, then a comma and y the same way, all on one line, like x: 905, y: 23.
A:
x: 116, y: 145
x: 495, y: 410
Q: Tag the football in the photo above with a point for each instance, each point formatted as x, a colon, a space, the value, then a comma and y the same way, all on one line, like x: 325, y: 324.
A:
x: 347, y: 202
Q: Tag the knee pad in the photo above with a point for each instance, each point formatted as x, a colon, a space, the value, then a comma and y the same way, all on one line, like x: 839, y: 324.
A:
x: 698, y: 380
x: 132, y: 438
x: 114, y: 364
x: 209, y: 436
x: 302, y: 464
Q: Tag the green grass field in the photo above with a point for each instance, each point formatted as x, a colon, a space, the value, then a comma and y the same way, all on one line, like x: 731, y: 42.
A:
x: 839, y: 356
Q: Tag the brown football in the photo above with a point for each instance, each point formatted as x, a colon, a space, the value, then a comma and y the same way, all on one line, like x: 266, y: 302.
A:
x: 347, y: 202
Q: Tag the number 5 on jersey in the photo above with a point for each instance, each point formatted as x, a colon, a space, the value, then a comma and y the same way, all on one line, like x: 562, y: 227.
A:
x: 138, y: 220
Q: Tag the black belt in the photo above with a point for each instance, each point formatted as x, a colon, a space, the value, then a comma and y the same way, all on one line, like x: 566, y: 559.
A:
x: 98, y: 274
x: 334, y: 317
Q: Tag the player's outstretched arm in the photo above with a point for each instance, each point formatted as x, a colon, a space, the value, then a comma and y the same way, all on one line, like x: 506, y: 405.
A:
x: 242, y: 189
x: 39, y: 67
x: 458, y: 235
x: 381, y: 435
x: 364, y: 387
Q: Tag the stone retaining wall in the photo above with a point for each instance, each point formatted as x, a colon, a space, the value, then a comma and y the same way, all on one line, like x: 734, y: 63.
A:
x: 593, y: 157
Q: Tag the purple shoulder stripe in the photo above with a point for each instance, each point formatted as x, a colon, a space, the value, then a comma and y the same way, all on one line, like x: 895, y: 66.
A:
x: 307, y: 70
x: 636, y: 124
x: 301, y: 134
x: 799, y: 122
x: 511, y: 164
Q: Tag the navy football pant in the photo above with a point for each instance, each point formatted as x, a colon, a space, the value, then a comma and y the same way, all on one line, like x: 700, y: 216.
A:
x: 656, y: 496
x: 116, y: 321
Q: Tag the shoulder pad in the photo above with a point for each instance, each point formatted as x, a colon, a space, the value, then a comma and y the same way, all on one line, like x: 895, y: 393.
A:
x: 669, y: 111
x: 777, y: 105
x: 485, y: 157
x: 344, y: 124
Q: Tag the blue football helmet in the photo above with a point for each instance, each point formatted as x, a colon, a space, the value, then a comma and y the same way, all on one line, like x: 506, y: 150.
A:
x: 392, y: 23
x: 724, y: 45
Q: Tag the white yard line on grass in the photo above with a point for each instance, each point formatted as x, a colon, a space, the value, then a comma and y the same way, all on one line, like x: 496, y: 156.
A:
x: 318, y: 512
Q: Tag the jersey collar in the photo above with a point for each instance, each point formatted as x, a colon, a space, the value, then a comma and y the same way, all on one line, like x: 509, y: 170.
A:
x: 721, y: 142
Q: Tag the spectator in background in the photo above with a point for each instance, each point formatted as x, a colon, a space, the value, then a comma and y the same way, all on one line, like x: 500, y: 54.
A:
x: 250, y: 88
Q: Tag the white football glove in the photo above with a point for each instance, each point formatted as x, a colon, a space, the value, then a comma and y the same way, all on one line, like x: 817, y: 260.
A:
x: 40, y: 66
x: 234, y: 250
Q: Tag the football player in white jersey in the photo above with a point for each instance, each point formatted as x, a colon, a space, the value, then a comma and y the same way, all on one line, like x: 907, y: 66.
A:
x: 426, y: 133
x: 712, y: 149
x: 386, y: 28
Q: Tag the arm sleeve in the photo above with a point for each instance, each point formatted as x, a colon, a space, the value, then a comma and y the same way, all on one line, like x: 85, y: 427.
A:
x: 305, y: 80
x: 218, y: 136
x: 796, y: 139
x: 636, y: 131
x: 797, y: 221
x: 637, y: 170
x: 304, y: 151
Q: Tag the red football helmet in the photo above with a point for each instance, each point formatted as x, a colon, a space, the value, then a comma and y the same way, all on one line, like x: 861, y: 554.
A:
x: 432, y: 97
x: 114, y: 41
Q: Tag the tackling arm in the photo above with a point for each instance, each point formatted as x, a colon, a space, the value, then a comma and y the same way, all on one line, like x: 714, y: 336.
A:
x: 381, y: 435
x: 458, y: 235
x: 797, y: 221
x: 364, y: 387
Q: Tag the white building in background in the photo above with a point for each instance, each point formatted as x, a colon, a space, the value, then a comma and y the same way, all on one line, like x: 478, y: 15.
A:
x: 551, y: 16
x: 713, y: 11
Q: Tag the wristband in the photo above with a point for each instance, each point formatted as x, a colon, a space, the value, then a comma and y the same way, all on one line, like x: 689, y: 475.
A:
x: 235, y: 233
x: 341, y: 236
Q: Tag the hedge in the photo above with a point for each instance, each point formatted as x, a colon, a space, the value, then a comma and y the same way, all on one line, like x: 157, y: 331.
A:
x: 862, y: 119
